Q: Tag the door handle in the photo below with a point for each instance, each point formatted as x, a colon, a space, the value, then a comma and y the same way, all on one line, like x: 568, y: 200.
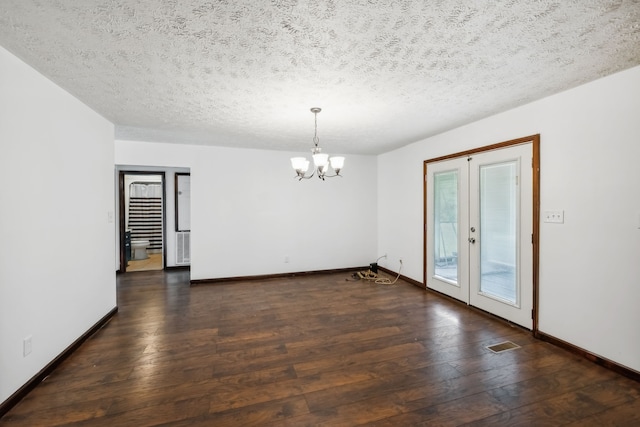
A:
x: 472, y: 240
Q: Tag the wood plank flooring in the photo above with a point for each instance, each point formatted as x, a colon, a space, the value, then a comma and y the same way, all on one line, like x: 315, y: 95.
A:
x: 153, y: 262
x: 315, y: 350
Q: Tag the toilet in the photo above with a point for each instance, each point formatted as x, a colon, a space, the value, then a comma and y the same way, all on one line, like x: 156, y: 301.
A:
x: 139, y: 249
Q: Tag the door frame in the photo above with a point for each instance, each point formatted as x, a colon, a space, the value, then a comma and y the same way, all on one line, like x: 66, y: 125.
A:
x: 121, y: 215
x: 535, y: 238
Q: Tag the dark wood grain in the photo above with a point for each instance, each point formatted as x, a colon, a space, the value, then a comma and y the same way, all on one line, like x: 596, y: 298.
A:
x: 315, y: 350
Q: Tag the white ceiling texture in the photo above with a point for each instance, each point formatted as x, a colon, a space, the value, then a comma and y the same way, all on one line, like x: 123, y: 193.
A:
x: 244, y: 73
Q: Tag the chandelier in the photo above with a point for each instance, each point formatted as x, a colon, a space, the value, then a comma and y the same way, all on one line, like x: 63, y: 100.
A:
x: 321, y: 161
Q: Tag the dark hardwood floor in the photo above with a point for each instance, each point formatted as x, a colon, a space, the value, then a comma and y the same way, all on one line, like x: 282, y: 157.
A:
x: 315, y: 350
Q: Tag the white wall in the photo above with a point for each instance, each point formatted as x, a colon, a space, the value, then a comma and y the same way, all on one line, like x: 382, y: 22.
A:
x: 589, y: 266
x: 51, y: 287
x: 249, y: 214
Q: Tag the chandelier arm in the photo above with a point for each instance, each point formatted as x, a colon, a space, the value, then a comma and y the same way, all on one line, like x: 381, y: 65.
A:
x: 301, y: 177
x: 333, y: 176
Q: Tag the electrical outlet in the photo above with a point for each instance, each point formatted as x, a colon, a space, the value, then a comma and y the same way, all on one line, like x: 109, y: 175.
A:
x: 554, y: 216
x: 26, y: 346
x: 286, y: 259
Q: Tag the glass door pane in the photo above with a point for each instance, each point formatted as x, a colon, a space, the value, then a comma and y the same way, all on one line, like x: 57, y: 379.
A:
x: 445, y: 254
x: 447, y: 218
x: 499, y: 231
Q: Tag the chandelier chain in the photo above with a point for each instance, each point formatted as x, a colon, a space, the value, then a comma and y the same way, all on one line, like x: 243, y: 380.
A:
x: 316, y: 140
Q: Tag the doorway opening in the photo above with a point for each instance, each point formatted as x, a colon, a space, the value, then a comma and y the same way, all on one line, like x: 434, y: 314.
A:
x: 142, y: 198
x: 481, y: 220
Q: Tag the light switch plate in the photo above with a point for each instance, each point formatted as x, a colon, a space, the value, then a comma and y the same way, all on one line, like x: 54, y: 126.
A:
x: 556, y: 217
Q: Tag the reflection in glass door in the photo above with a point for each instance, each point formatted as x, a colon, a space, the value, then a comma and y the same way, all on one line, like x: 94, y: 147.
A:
x: 448, y: 215
x: 445, y: 257
x: 498, y: 251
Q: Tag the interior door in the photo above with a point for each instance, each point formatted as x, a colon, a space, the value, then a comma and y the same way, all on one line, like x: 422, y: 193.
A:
x: 483, y: 203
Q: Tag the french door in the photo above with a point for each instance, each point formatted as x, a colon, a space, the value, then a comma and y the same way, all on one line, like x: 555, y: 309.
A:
x: 479, y: 228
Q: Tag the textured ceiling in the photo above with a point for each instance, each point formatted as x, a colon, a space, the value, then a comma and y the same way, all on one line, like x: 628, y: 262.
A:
x: 244, y: 73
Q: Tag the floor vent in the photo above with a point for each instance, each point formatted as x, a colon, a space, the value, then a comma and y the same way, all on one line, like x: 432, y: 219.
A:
x: 503, y: 346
